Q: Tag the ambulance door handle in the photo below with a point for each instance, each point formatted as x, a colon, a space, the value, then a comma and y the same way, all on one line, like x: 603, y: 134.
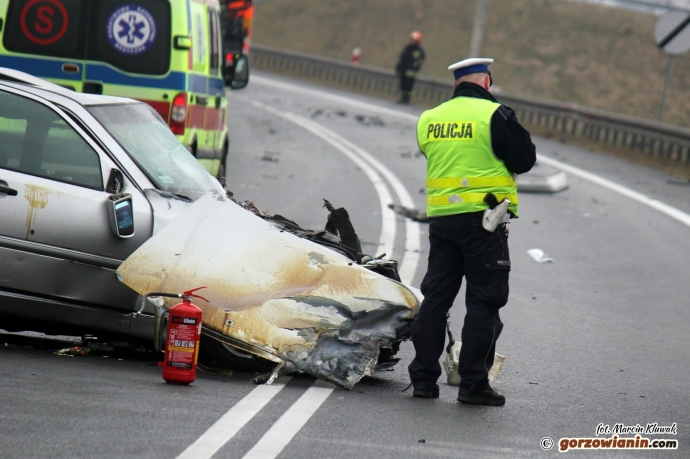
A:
x: 70, y: 68
x: 201, y: 100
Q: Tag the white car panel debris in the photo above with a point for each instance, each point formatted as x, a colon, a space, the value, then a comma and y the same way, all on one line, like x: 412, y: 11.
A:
x: 539, y: 256
x: 303, y: 303
x: 451, y: 364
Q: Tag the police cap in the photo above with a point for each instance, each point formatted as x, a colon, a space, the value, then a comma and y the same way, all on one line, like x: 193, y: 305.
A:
x: 468, y: 66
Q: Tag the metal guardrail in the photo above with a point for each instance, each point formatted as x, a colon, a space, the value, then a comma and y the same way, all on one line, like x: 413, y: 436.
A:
x: 655, y: 139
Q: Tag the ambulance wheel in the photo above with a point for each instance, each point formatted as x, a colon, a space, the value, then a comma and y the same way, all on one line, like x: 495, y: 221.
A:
x: 194, y: 148
x: 223, y: 160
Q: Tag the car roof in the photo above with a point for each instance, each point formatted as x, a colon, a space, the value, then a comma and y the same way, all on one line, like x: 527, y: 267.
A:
x: 38, y: 86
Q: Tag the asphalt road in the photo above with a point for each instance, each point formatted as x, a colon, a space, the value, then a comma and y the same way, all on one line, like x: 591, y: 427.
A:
x: 597, y: 336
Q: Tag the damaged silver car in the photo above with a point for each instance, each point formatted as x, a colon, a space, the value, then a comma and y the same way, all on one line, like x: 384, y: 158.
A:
x: 100, y: 205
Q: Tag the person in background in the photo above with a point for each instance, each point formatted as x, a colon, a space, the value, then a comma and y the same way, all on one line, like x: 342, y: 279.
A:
x: 409, y: 63
x: 474, y: 146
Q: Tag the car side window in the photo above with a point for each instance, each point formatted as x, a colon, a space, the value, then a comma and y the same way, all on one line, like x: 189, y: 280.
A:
x: 35, y: 140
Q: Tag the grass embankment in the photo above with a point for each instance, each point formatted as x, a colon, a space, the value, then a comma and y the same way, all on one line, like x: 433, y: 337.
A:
x: 596, y: 56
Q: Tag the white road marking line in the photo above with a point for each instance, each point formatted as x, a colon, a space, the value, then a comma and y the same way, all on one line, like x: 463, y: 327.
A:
x: 280, y: 434
x: 231, y: 422
x: 666, y: 209
x: 388, y: 225
x: 410, y: 260
x: 620, y: 189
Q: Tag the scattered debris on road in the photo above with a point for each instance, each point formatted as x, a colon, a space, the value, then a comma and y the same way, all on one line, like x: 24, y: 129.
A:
x: 408, y: 212
x: 452, y: 359
x: 539, y: 256
x: 72, y: 351
x: 270, y: 156
x: 679, y: 182
x: 370, y: 120
x: 542, y: 179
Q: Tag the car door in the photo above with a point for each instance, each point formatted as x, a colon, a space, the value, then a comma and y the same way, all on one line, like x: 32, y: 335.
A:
x: 56, y: 241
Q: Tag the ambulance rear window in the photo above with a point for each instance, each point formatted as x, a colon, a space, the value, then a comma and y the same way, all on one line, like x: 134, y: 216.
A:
x: 53, y: 28
x: 131, y: 36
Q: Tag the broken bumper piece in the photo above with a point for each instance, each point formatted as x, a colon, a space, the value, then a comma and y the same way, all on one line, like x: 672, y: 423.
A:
x: 273, y: 294
x: 543, y: 178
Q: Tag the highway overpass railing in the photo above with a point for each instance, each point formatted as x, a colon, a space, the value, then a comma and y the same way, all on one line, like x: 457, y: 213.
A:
x: 658, y: 140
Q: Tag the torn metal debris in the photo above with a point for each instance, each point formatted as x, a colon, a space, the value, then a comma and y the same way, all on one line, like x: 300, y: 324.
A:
x: 308, y: 301
x: 542, y: 179
x: 370, y: 120
x: 407, y: 212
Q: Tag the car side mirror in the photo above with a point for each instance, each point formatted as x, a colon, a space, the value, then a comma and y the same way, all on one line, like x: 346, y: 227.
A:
x: 237, y: 76
x: 121, y: 215
x: 116, y: 181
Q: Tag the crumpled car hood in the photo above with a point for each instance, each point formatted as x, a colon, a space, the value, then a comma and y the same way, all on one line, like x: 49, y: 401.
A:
x: 306, y: 304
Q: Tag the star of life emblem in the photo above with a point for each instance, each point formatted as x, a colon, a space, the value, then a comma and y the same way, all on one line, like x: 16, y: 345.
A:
x: 131, y: 29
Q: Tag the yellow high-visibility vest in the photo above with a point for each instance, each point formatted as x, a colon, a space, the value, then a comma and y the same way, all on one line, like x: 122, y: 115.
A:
x: 460, y: 163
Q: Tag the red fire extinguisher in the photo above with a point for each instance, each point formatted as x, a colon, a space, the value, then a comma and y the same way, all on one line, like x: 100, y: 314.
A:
x: 182, y: 339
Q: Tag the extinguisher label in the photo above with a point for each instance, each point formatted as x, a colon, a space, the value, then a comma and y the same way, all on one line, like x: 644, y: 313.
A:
x: 182, y: 343
x: 184, y: 320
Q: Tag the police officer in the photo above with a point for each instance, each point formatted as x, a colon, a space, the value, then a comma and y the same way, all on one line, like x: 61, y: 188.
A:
x: 474, y: 146
x: 409, y: 63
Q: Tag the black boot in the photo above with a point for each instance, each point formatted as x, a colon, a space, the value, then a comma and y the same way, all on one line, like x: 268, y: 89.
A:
x: 486, y: 396
x: 425, y: 390
x: 404, y: 99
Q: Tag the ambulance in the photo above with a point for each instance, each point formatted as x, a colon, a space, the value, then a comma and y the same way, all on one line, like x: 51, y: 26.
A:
x: 167, y: 53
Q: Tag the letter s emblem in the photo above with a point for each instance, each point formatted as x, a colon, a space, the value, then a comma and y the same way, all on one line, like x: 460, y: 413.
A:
x: 43, y: 14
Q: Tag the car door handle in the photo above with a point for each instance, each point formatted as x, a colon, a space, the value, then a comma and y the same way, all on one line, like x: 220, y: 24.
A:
x: 8, y: 191
x: 201, y: 100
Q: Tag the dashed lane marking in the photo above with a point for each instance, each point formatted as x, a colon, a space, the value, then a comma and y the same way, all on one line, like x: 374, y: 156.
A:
x: 282, y: 432
x: 227, y: 426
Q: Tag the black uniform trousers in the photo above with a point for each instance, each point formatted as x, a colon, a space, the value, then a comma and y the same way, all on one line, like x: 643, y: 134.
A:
x: 460, y: 246
x: 406, y: 84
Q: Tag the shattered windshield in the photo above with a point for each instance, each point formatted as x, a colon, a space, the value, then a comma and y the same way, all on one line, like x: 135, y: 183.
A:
x: 151, y: 144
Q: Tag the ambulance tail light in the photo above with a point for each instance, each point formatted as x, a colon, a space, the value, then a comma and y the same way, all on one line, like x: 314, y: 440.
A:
x: 178, y: 115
